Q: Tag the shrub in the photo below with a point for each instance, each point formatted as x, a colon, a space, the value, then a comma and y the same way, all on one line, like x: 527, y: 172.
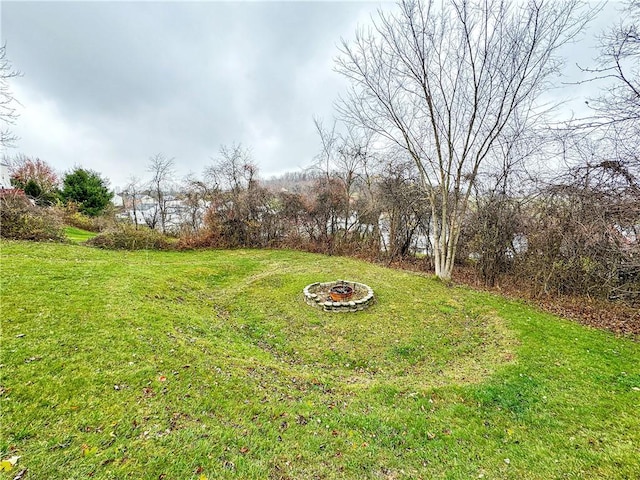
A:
x: 79, y: 220
x: 21, y: 220
x: 73, y: 217
x: 127, y: 237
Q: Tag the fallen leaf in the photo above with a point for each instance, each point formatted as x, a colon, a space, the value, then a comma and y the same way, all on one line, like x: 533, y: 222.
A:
x: 244, y: 450
x: 162, y: 378
x: 7, y: 464
x: 87, y: 450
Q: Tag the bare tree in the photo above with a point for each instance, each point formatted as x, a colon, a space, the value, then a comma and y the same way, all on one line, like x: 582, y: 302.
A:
x: 345, y: 156
x: 405, y: 216
x: 442, y: 80
x: 8, y: 112
x: 195, y: 196
x: 151, y: 217
x: 239, y: 203
x: 327, y: 209
x: 328, y: 139
x: 131, y: 197
x: 162, y: 170
x: 233, y: 170
x: 616, y: 112
x: 619, y: 61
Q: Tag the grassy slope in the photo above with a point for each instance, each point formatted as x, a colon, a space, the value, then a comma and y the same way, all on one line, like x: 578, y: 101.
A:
x: 77, y: 235
x: 209, y: 364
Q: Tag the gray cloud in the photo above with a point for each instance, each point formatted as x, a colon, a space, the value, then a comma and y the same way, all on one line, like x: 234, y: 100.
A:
x: 108, y: 84
x: 132, y: 79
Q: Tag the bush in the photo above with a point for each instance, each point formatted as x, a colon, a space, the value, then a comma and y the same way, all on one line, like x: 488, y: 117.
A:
x: 73, y: 217
x: 201, y: 239
x: 127, y: 237
x: 21, y: 220
x: 78, y: 220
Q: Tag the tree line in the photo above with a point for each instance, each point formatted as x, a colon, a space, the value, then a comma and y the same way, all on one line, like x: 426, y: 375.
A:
x: 444, y: 152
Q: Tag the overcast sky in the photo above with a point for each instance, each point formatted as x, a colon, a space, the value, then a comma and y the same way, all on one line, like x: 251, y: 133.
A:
x: 106, y: 85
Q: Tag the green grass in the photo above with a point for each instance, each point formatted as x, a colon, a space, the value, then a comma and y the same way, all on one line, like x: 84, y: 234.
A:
x: 77, y: 235
x: 208, y: 364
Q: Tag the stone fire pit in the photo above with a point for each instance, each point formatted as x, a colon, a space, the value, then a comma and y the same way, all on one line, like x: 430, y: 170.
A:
x: 339, y: 296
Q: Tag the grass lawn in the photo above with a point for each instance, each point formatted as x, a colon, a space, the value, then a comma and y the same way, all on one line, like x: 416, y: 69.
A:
x: 77, y: 235
x: 208, y: 364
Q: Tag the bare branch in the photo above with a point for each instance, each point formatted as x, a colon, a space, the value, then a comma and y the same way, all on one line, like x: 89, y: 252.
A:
x: 444, y: 81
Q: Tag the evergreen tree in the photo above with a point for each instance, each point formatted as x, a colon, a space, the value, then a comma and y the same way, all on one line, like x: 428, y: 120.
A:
x: 88, y: 190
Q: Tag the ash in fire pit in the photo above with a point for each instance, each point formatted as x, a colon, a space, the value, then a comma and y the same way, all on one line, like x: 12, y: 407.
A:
x: 340, y: 292
x: 339, y: 296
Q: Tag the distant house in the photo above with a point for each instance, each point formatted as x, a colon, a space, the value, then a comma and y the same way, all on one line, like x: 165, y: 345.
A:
x: 6, y: 190
x: 177, y: 209
x: 5, y: 178
x: 117, y: 200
